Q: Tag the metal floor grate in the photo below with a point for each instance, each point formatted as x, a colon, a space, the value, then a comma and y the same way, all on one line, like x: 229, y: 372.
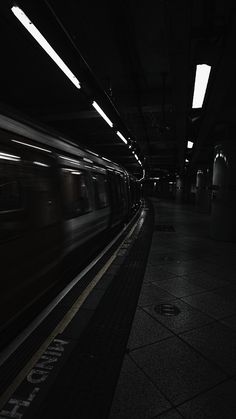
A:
x: 167, y: 310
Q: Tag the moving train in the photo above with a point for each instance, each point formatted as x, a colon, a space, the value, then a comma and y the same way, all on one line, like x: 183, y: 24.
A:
x: 54, y: 198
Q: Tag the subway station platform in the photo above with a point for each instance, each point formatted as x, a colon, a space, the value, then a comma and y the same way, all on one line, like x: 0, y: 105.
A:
x: 156, y: 336
x: 181, y: 353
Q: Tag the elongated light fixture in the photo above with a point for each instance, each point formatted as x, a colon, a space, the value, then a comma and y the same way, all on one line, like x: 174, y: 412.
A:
x: 201, y: 80
x: 122, y: 137
x: 6, y: 156
x: 103, y: 115
x: 39, y: 163
x: 32, y: 146
x: 21, y: 16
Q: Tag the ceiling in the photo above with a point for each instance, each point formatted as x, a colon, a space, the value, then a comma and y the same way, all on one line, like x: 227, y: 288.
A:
x: 137, y: 60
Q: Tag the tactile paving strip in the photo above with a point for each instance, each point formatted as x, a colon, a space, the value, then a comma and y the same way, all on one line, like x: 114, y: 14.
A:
x: 165, y: 228
x: 86, y: 383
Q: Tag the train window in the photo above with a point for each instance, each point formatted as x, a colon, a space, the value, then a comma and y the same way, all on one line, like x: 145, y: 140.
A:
x: 10, y: 191
x: 100, y: 188
x: 76, y: 193
x: 11, y: 200
x: 10, y: 197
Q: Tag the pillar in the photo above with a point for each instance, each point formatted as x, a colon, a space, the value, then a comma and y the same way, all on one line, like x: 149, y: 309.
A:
x: 223, y: 214
x: 203, y: 194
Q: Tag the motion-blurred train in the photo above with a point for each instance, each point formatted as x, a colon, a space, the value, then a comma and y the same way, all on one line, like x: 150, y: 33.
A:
x: 54, y: 197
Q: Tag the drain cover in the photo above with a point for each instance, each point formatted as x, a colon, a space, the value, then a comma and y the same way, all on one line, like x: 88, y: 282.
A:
x: 167, y: 310
x: 164, y: 227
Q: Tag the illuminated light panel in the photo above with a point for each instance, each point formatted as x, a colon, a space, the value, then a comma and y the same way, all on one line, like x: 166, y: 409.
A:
x: 6, y: 156
x: 87, y: 160
x: 70, y: 160
x: 186, y: 161
x: 122, y: 137
x: 200, y: 85
x: 32, y: 146
x: 21, y: 16
x: 103, y: 115
x: 91, y: 152
x: 76, y: 173
x: 190, y: 144
x: 135, y: 155
x: 38, y: 163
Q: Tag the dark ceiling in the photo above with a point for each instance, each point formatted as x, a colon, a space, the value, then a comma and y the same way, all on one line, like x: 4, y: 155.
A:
x: 137, y: 60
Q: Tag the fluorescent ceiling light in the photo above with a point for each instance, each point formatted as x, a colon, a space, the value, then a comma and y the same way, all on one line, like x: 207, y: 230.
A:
x: 201, y: 80
x: 70, y: 160
x: 38, y: 163
x: 32, y: 146
x: 122, y: 137
x: 87, y: 160
x: 6, y: 156
x: 136, y: 156
x: 103, y: 115
x: 44, y: 44
x: 190, y: 144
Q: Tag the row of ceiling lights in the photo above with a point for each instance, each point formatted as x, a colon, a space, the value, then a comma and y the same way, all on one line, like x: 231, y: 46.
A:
x: 31, y: 28
x: 200, y: 86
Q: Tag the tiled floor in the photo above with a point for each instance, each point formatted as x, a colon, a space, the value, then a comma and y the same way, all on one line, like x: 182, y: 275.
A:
x: 182, y: 366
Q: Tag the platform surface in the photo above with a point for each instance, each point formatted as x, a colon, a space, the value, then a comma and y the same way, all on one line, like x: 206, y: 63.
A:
x: 181, y: 357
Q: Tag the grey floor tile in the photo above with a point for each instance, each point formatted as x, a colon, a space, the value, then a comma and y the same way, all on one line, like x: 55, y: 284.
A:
x: 136, y: 396
x: 212, y: 304
x: 230, y: 322
x: 216, y: 342
x: 228, y: 293
x: 184, y: 269
x: 178, y: 371
x: 218, y: 403
x: 171, y: 414
x: 151, y: 294
x: 205, y: 280
x: 179, y: 287
x: 146, y: 330
x: 214, y: 269
x: 188, y: 318
x: 157, y: 274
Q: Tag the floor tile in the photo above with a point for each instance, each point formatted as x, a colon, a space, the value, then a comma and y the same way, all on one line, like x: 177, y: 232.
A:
x: 212, y: 304
x: 230, y: 322
x: 146, y: 330
x: 156, y: 275
x: 188, y: 318
x: 205, y: 280
x: 178, y: 371
x: 151, y: 294
x: 227, y: 292
x: 217, y: 403
x: 179, y: 287
x: 171, y: 414
x: 216, y: 342
x: 136, y: 396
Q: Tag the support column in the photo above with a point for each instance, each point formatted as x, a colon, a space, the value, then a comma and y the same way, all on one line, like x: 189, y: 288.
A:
x: 179, y: 190
x: 203, y: 194
x: 223, y: 215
